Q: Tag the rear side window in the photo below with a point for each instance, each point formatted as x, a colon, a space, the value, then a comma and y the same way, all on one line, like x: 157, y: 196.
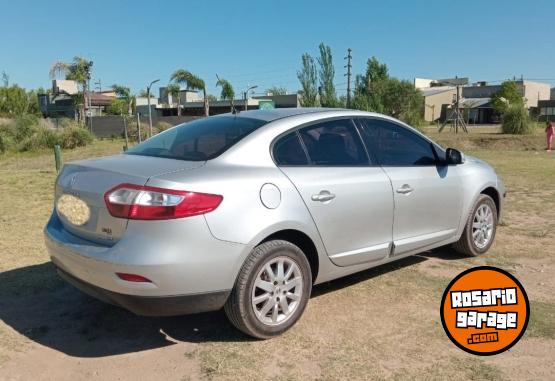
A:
x: 289, y: 151
x: 334, y: 143
x: 200, y: 140
x: 394, y: 145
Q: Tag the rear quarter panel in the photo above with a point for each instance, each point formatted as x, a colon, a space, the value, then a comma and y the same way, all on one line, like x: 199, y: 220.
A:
x: 242, y: 217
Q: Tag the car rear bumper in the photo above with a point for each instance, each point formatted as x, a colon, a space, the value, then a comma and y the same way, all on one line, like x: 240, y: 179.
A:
x: 152, y: 305
x: 189, y: 270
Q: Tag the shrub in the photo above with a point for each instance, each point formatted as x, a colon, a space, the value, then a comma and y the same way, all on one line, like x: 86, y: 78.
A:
x: 25, y: 126
x: 67, y: 123
x: 43, y: 138
x: 413, y: 119
x: 161, y: 127
x: 28, y: 133
x: 516, y: 120
x: 7, y: 135
x: 133, y: 131
x: 75, y: 137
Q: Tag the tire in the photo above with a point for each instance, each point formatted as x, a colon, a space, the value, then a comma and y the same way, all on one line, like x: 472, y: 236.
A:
x: 467, y: 244
x: 292, y: 292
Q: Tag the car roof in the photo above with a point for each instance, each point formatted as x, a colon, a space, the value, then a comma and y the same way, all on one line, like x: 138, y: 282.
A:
x: 269, y: 115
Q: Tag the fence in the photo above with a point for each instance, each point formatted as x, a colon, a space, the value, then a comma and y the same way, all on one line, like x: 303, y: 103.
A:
x: 112, y: 126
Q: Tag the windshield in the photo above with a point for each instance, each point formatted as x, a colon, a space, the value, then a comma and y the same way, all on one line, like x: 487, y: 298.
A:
x: 200, y: 140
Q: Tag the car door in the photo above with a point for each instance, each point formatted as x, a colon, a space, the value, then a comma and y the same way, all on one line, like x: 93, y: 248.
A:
x: 427, y: 192
x: 349, y: 198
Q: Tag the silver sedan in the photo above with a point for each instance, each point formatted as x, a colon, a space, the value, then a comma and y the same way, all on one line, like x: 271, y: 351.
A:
x: 248, y: 211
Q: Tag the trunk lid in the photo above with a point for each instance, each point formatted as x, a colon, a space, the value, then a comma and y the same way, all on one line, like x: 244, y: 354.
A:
x: 80, y: 189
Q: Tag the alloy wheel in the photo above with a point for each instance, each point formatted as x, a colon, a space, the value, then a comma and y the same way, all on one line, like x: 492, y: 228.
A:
x: 277, y: 290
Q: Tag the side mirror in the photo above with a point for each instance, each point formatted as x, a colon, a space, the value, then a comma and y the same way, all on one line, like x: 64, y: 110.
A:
x: 454, y: 156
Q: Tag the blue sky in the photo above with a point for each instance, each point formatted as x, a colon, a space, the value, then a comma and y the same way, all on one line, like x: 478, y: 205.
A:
x: 261, y: 42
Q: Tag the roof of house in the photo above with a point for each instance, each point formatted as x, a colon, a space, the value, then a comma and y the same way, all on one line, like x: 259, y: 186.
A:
x: 428, y: 91
x: 99, y: 99
x: 475, y: 102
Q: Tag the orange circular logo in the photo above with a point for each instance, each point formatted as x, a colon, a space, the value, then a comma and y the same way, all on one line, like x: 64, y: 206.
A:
x: 485, y: 310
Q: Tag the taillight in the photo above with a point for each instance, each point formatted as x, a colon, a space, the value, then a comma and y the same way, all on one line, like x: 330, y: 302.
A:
x: 138, y: 202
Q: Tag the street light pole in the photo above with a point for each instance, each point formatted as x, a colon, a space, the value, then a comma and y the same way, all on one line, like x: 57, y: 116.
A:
x: 246, y: 94
x: 149, y: 110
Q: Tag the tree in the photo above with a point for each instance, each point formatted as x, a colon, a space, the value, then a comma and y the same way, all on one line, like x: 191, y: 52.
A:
x: 277, y: 90
x: 144, y: 94
x: 227, y: 91
x: 376, y: 91
x: 123, y: 93
x: 403, y: 101
x: 116, y: 107
x: 375, y: 71
x: 184, y: 77
x: 308, y: 78
x: 79, y: 70
x: 508, y: 95
x: 328, y: 97
x: 16, y: 101
x: 174, y: 90
x: 370, y: 87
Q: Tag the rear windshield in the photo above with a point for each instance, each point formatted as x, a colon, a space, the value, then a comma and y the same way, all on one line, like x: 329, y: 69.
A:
x: 200, y: 140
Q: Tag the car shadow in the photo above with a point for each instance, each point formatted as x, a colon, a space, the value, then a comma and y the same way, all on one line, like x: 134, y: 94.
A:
x: 446, y: 253
x: 36, y: 303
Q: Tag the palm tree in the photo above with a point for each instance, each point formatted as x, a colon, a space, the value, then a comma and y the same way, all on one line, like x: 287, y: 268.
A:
x: 175, y: 91
x: 192, y: 82
x: 227, y: 91
x: 124, y: 93
x: 78, y: 70
x: 144, y: 94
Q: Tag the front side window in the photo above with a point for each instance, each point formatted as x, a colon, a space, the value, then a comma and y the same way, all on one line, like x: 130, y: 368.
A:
x: 394, y: 145
x: 333, y: 143
x: 200, y: 140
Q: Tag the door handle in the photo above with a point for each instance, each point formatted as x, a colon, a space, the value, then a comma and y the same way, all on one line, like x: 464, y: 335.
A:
x: 323, y: 196
x: 405, y: 189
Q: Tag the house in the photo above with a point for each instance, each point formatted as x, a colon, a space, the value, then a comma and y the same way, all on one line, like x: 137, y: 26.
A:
x: 546, y: 110
x: 141, y: 105
x: 192, y: 104
x: 532, y: 92
x: 478, y: 105
x: 478, y: 111
x: 436, y: 100
x: 282, y: 101
x: 60, y: 102
x: 475, y: 99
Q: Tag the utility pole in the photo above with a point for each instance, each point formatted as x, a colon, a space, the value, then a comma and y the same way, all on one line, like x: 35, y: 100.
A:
x: 139, y: 126
x: 349, y: 66
x: 98, y: 85
x: 87, y: 95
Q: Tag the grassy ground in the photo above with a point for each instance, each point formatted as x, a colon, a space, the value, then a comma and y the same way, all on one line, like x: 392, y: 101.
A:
x: 379, y: 324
